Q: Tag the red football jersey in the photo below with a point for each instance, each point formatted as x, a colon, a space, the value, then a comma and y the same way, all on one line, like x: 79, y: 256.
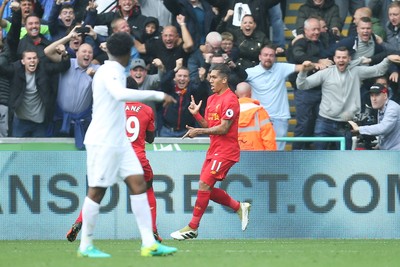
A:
x: 139, y: 119
x: 224, y: 106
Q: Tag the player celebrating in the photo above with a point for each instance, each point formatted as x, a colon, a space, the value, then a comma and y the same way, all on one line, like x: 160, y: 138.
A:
x: 140, y: 129
x: 109, y: 154
x: 221, y: 124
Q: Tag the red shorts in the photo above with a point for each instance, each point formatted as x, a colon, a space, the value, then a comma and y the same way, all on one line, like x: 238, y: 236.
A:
x: 214, y: 170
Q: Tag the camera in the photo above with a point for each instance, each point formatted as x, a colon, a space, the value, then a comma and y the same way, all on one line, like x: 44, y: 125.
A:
x: 82, y: 30
x: 227, y: 59
x: 368, y: 117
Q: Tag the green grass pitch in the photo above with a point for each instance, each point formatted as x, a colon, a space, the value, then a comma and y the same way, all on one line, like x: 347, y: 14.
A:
x: 210, y: 253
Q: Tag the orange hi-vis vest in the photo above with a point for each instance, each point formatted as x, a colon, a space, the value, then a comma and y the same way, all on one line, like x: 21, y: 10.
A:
x: 255, y: 127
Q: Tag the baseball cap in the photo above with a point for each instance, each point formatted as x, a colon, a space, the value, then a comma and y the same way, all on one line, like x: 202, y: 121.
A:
x: 138, y: 62
x: 378, y: 88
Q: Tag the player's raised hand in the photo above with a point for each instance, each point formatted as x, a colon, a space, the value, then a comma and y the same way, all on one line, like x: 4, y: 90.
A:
x: 193, y: 107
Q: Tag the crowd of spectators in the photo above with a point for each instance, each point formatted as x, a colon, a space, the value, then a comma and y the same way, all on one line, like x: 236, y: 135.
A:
x: 51, y: 49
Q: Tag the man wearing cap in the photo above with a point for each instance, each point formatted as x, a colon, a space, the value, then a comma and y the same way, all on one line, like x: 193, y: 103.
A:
x: 388, y: 124
x: 138, y: 78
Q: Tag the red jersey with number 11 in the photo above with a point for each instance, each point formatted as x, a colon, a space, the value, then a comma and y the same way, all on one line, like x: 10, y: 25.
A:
x: 224, y: 106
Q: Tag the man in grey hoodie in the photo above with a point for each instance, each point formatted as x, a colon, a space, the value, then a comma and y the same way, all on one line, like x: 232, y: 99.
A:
x: 340, y: 85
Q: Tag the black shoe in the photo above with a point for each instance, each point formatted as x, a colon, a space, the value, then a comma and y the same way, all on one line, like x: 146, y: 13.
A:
x: 74, y: 231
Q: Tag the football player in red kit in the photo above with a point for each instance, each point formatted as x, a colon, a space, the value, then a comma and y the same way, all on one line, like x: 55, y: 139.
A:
x: 221, y: 124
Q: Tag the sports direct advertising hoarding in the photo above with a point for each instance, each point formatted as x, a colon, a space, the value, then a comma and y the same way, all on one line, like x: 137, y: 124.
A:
x: 311, y: 194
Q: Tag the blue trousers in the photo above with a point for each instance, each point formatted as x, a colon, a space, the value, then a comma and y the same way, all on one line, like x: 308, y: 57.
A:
x: 329, y: 128
x: 307, y: 108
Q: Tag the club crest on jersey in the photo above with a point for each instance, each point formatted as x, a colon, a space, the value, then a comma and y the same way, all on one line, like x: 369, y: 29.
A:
x: 229, y: 113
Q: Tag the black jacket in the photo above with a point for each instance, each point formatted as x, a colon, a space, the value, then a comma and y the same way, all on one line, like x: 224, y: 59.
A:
x: 8, y: 54
x: 185, y: 8
x: 46, y: 82
x: 177, y: 115
x: 135, y: 20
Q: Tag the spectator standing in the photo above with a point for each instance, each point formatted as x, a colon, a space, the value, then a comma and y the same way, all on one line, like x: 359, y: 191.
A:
x: 199, y: 17
x: 157, y: 9
x: 26, y: 7
x: 340, y: 85
x: 32, y: 93
x: 348, y: 7
x: 257, y: 8
x: 255, y: 127
x: 204, y: 54
x: 140, y: 79
x: 170, y: 47
x: 61, y: 20
x: 361, y: 12
x: 8, y: 50
x: 228, y: 47
x: 129, y: 10
x: 248, y: 39
x: 380, y: 10
x: 388, y: 124
x: 307, y: 102
x: 278, y: 27
x: 267, y: 81
x: 178, y: 84
x: 74, y: 96
x: 33, y: 40
x: 117, y: 25
x: 326, y: 9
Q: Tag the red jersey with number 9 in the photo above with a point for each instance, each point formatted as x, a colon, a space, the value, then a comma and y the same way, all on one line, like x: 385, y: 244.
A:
x: 224, y: 106
x: 139, y: 119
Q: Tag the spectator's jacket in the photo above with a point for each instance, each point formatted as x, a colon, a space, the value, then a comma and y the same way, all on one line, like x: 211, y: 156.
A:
x: 392, y: 44
x: 176, y: 116
x: 255, y: 128
x: 351, y: 43
x: 45, y: 79
x: 259, y: 11
x: 387, y: 127
x: 249, y: 46
x: 26, y: 43
x: 329, y: 11
x: 57, y: 28
x: 7, y: 55
x: 135, y: 20
x: 185, y: 8
x: 302, y: 50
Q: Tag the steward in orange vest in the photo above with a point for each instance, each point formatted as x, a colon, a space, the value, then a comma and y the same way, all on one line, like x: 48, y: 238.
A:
x: 255, y: 128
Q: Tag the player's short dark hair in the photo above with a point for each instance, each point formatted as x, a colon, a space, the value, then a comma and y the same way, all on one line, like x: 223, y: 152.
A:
x: 119, y: 44
x: 223, y: 69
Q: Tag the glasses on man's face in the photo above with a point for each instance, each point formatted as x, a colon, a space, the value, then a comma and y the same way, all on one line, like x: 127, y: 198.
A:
x: 213, y: 48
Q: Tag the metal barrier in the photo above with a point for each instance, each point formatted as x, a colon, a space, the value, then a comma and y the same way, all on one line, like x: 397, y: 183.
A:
x: 54, y: 143
x: 342, y: 140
